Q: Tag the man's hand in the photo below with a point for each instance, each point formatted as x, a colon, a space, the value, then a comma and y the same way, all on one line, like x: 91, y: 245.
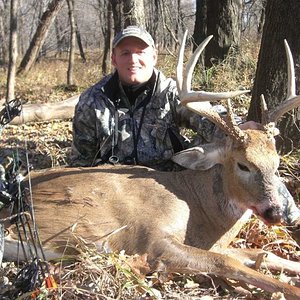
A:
x: 257, y: 126
x: 250, y: 125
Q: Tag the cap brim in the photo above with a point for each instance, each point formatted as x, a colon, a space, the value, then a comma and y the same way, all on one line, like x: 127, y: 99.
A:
x: 133, y: 35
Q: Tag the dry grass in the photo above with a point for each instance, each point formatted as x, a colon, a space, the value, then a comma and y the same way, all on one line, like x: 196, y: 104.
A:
x: 101, y: 276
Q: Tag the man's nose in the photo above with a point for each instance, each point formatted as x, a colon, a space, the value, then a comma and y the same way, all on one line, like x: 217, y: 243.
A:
x: 133, y: 57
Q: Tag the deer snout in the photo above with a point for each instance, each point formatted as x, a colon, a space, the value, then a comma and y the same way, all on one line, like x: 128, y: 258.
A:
x: 272, y: 215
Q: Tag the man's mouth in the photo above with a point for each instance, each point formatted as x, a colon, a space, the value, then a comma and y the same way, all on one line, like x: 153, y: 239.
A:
x: 133, y: 69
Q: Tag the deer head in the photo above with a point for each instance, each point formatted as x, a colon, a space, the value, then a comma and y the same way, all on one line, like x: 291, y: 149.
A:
x: 249, y: 157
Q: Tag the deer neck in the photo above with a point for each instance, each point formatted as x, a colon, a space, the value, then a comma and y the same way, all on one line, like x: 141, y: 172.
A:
x: 214, y: 219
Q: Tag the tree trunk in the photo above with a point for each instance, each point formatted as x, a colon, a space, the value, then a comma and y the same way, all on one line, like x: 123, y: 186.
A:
x: 58, y: 38
x: 3, y: 44
x: 104, y: 9
x: 223, y: 22
x: 127, y: 12
x: 80, y: 47
x: 106, y: 61
x: 153, y: 20
x: 62, y: 110
x: 282, y: 22
x: 13, y: 50
x: 117, y: 11
x: 72, y: 42
x: 200, y: 29
x: 134, y: 13
x: 39, y: 36
x: 262, y: 18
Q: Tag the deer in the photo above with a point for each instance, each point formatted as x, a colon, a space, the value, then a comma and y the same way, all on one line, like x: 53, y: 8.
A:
x: 183, y: 221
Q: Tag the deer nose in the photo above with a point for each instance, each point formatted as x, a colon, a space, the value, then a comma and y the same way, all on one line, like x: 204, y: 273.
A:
x: 273, y: 215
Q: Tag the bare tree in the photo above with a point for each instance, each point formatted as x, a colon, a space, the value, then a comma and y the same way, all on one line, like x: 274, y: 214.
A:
x: 164, y: 25
x: 72, y: 42
x: 253, y: 17
x: 40, y: 36
x: 79, y: 43
x: 13, y: 50
x: 153, y: 20
x: 61, y: 34
x: 3, y: 43
x: 106, y: 60
x: 222, y: 20
x: 261, y: 21
x: 200, y: 29
x: 128, y: 12
x: 104, y: 12
x: 58, y: 36
x: 134, y: 13
x: 282, y: 22
x: 117, y: 11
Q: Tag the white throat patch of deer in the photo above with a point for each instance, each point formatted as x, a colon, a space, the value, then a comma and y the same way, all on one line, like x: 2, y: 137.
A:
x: 183, y: 220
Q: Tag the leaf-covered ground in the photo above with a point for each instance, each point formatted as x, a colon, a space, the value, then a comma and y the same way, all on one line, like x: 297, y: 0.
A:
x: 102, y: 276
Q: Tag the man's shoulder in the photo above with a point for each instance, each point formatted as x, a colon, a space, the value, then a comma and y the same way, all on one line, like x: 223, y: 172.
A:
x: 165, y: 83
x: 166, y: 90
x: 93, y: 93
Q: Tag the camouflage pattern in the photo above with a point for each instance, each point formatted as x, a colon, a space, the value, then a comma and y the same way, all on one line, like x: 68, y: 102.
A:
x: 102, y: 130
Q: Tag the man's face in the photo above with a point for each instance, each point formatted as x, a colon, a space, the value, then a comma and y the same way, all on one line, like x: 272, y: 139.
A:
x: 134, y: 60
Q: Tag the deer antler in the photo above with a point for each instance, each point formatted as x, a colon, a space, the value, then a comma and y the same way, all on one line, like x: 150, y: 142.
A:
x: 197, y: 100
x: 292, y: 99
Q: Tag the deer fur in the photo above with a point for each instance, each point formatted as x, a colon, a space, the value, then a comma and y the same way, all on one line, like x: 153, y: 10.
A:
x: 184, y: 221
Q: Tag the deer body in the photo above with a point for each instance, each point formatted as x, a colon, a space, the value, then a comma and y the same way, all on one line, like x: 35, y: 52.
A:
x: 198, y: 207
x: 173, y: 217
x: 151, y: 204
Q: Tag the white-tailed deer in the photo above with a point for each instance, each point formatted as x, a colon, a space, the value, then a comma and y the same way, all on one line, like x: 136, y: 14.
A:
x: 184, y: 220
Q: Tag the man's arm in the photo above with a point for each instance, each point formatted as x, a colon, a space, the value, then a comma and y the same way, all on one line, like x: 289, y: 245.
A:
x: 85, y: 144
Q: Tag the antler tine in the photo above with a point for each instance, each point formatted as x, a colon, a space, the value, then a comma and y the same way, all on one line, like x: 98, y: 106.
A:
x: 234, y: 130
x: 264, y: 110
x: 268, y: 125
x: 179, y: 68
x: 198, y: 101
x: 292, y: 99
x: 210, y: 114
x: 228, y: 125
x: 291, y: 88
x: 187, y: 77
x: 184, y: 79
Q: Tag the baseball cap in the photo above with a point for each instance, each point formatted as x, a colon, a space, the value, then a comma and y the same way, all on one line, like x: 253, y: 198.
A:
x: 134, y: 31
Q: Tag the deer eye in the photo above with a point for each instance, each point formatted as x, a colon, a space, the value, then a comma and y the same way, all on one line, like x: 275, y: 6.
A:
x: 243, y: 167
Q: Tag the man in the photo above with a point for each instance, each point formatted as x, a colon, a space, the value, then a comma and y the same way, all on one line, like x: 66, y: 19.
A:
x: 133, y: 116
x: 138, y: 102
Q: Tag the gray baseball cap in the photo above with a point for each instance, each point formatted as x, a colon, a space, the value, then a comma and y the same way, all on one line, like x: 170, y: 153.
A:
x: 134, y: 31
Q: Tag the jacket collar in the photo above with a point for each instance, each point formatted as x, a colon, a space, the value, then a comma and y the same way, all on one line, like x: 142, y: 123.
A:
x: 109, y: 83
x: 114, y: 94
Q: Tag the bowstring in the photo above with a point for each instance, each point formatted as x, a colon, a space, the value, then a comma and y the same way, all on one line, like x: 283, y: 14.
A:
x: 38, y: 263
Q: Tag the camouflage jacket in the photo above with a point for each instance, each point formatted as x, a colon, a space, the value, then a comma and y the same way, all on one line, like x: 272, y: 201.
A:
x: 107, y: 127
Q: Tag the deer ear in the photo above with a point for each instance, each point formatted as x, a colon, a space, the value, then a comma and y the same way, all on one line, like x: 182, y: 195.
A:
x: 199, y: 158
